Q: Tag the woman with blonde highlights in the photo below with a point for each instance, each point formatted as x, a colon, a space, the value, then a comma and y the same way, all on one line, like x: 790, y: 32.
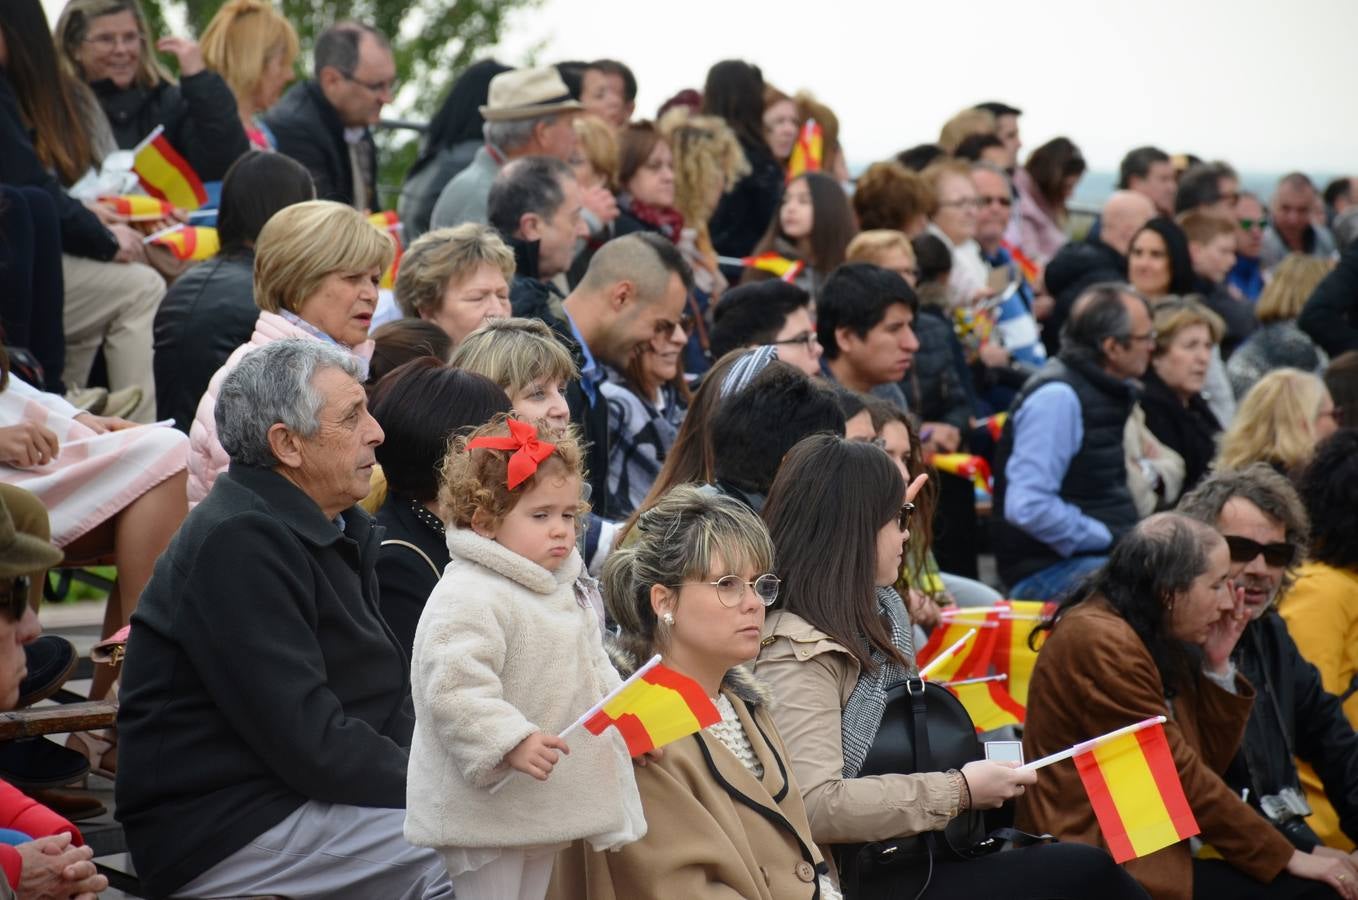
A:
x: 251, y: 45
x: 306, y: 286
x: 1279, y: 422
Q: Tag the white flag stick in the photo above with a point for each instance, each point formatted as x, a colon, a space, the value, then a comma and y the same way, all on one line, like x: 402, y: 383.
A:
x: 162, y: 232
x: 982, y: 680
x: 946, y: 654
x: 155, y: 133
x: 591, y: 712
x: 952, y: 614
x: 1090, y: 744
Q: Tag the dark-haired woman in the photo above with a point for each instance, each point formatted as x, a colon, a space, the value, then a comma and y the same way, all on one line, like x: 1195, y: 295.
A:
x: 420, y: 405
x: 735, y: 91
x: 1044, y: 184
x: 110, y: 300
x: 454, y: 137
x: 1152, y: 634
x: 839, y: 638
x: 210, y: 310
x: 814, y: 226
x: 1321, y: 609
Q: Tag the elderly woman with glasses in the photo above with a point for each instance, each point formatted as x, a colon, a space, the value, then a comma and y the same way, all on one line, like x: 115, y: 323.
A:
x: 108, y: 45
x: 724, y: 816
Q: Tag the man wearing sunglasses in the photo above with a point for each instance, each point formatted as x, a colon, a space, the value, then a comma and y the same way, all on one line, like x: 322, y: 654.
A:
x: 325, y: 124
x: 1293, y: 717
x: 1246, y: 279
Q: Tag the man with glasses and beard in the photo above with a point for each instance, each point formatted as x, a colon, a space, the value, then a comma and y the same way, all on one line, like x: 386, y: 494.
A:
x: 1293, y: 717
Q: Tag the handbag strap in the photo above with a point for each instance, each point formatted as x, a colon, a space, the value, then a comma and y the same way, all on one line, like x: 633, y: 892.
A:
x: 919, y: 721
x: 409, y: 546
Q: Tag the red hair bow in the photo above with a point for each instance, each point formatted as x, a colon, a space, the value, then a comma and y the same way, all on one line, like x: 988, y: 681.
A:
x: 529, y: 452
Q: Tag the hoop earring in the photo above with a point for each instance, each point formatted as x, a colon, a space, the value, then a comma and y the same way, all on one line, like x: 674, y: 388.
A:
x: 668, y: 619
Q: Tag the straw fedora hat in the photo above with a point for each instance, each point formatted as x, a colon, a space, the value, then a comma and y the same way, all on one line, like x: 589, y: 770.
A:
x: 527, y: 94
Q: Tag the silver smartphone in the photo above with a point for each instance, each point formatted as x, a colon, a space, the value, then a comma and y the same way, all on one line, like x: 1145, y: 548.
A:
x: 1004, y: 751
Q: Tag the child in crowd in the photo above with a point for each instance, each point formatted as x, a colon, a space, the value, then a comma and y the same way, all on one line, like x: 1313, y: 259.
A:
x: 506, y: 656
x: 814, y: 225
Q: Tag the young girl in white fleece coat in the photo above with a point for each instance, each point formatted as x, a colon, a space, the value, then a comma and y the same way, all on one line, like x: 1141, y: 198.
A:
x: 507, y: 656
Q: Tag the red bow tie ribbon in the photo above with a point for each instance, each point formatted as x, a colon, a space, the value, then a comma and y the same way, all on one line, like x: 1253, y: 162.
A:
x: 529, y: 452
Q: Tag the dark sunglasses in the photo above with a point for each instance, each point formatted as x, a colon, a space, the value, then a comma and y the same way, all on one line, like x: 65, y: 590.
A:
x: 903, y: 520
x: 1244, y: 550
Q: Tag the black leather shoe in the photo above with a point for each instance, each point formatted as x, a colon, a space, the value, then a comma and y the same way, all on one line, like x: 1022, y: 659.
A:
x: 51, y: 660
x: 35, y: 763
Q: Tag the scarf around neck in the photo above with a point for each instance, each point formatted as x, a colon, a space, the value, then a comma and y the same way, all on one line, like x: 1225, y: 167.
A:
x: 666, y: 220
x: 862, y: 714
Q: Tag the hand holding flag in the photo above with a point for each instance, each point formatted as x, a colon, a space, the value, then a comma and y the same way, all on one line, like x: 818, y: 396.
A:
x: 165, y: 174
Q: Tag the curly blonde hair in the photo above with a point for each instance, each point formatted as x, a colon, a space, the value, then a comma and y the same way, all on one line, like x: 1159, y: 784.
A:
x: 472, y: 481
x: 707, y: 156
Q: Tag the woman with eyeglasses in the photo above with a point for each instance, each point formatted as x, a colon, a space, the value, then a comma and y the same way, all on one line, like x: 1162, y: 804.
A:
x: 724, y: 813
x: 108, y: 45
x: 838, y: 639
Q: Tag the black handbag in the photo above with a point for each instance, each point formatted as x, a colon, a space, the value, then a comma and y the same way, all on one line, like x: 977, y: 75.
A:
x: 924, y: 728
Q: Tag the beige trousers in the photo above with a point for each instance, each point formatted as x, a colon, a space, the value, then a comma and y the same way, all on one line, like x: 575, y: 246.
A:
x: 112, y: 305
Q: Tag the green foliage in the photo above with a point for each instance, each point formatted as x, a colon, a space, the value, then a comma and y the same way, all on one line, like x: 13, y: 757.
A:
x: 432, y: 40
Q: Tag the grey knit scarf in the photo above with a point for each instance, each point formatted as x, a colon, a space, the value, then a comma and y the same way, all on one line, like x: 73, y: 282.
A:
x: 863, y: 711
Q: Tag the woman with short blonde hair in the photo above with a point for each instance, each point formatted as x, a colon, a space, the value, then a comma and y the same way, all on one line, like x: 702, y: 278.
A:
x: 317, y: 267
x: 1279, y: 422
x: 1278, y: 342
x: 527, y: 361
x: 251, y: 45
x: 458, y: 278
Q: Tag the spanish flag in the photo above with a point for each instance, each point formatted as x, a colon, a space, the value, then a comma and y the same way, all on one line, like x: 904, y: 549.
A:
x: 1013, y: 657
x: 994, y: 425
x: 987, y: 702
x: 964, y: 465
x: 781, y: 266
x: 389, y: 222
x: 654, y: 707
x: 138, y: 207
x: 188, y: 242
x: 165, y: 174
x: 1023, y: 261
x: 808, y: 154
x: 971, y: 661
x: 1134, y: 788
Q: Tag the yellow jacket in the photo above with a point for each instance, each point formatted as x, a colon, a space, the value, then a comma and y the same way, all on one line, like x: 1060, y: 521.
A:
x: 1321, y: 611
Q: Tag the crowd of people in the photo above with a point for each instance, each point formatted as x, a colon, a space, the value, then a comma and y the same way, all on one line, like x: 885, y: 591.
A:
x: 679, y: 386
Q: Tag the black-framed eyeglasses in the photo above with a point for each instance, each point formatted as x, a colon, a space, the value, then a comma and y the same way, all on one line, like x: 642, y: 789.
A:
x: 377, y: 87
x: 731, y: 589
x: 1244, y: 550
x: 903, y: 518
x: 806, y: 338
x: 14, y: 604
x: 665, y: 327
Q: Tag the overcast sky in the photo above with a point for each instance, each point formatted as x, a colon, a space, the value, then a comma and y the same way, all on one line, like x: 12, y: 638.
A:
x: 1266, y: 85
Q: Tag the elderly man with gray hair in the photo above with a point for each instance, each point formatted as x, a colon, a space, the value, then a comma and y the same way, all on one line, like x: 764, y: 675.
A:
x: 528, y: 112
x: 266, y: 713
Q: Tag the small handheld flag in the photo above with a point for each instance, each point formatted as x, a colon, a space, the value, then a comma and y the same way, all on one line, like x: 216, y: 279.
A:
x: 654, y: 707
x: 964, y: 465
x: 808, y: 154
x: 390, y: 222
x: 187, y: 242
x: 1133, y: 787
x: 994, y: 425
x: 936, y: 661
x: 165, y: 174
x: 987, y: 702
x: 780, y: 266
x: 138, y: 208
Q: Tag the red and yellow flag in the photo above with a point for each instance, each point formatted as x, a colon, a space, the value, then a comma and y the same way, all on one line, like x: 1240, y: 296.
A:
x: 808, y: 154
x: 138, y: 207
x: 994, y: 425
x: 1134, y: 788
x: 165, y: 174
x: 988, y: 703
x: 973, y: 660
x: 964, y: 465
x: 781, y: 266
x: 654, y: 709
x: 1025, y: 263
x: 390, y: 222
x: 188, y: 242
x: 1013, y: 657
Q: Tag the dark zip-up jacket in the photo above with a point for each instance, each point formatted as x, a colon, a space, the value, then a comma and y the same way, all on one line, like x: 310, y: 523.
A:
x: 260, y: 674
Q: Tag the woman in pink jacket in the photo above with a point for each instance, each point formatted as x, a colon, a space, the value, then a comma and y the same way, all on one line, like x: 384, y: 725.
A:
x: 317, y: 267
x: 1046, y: 181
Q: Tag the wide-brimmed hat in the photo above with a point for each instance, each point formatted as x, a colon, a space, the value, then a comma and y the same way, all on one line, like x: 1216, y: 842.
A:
x: 527, y: 94
x: 22, y: 554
